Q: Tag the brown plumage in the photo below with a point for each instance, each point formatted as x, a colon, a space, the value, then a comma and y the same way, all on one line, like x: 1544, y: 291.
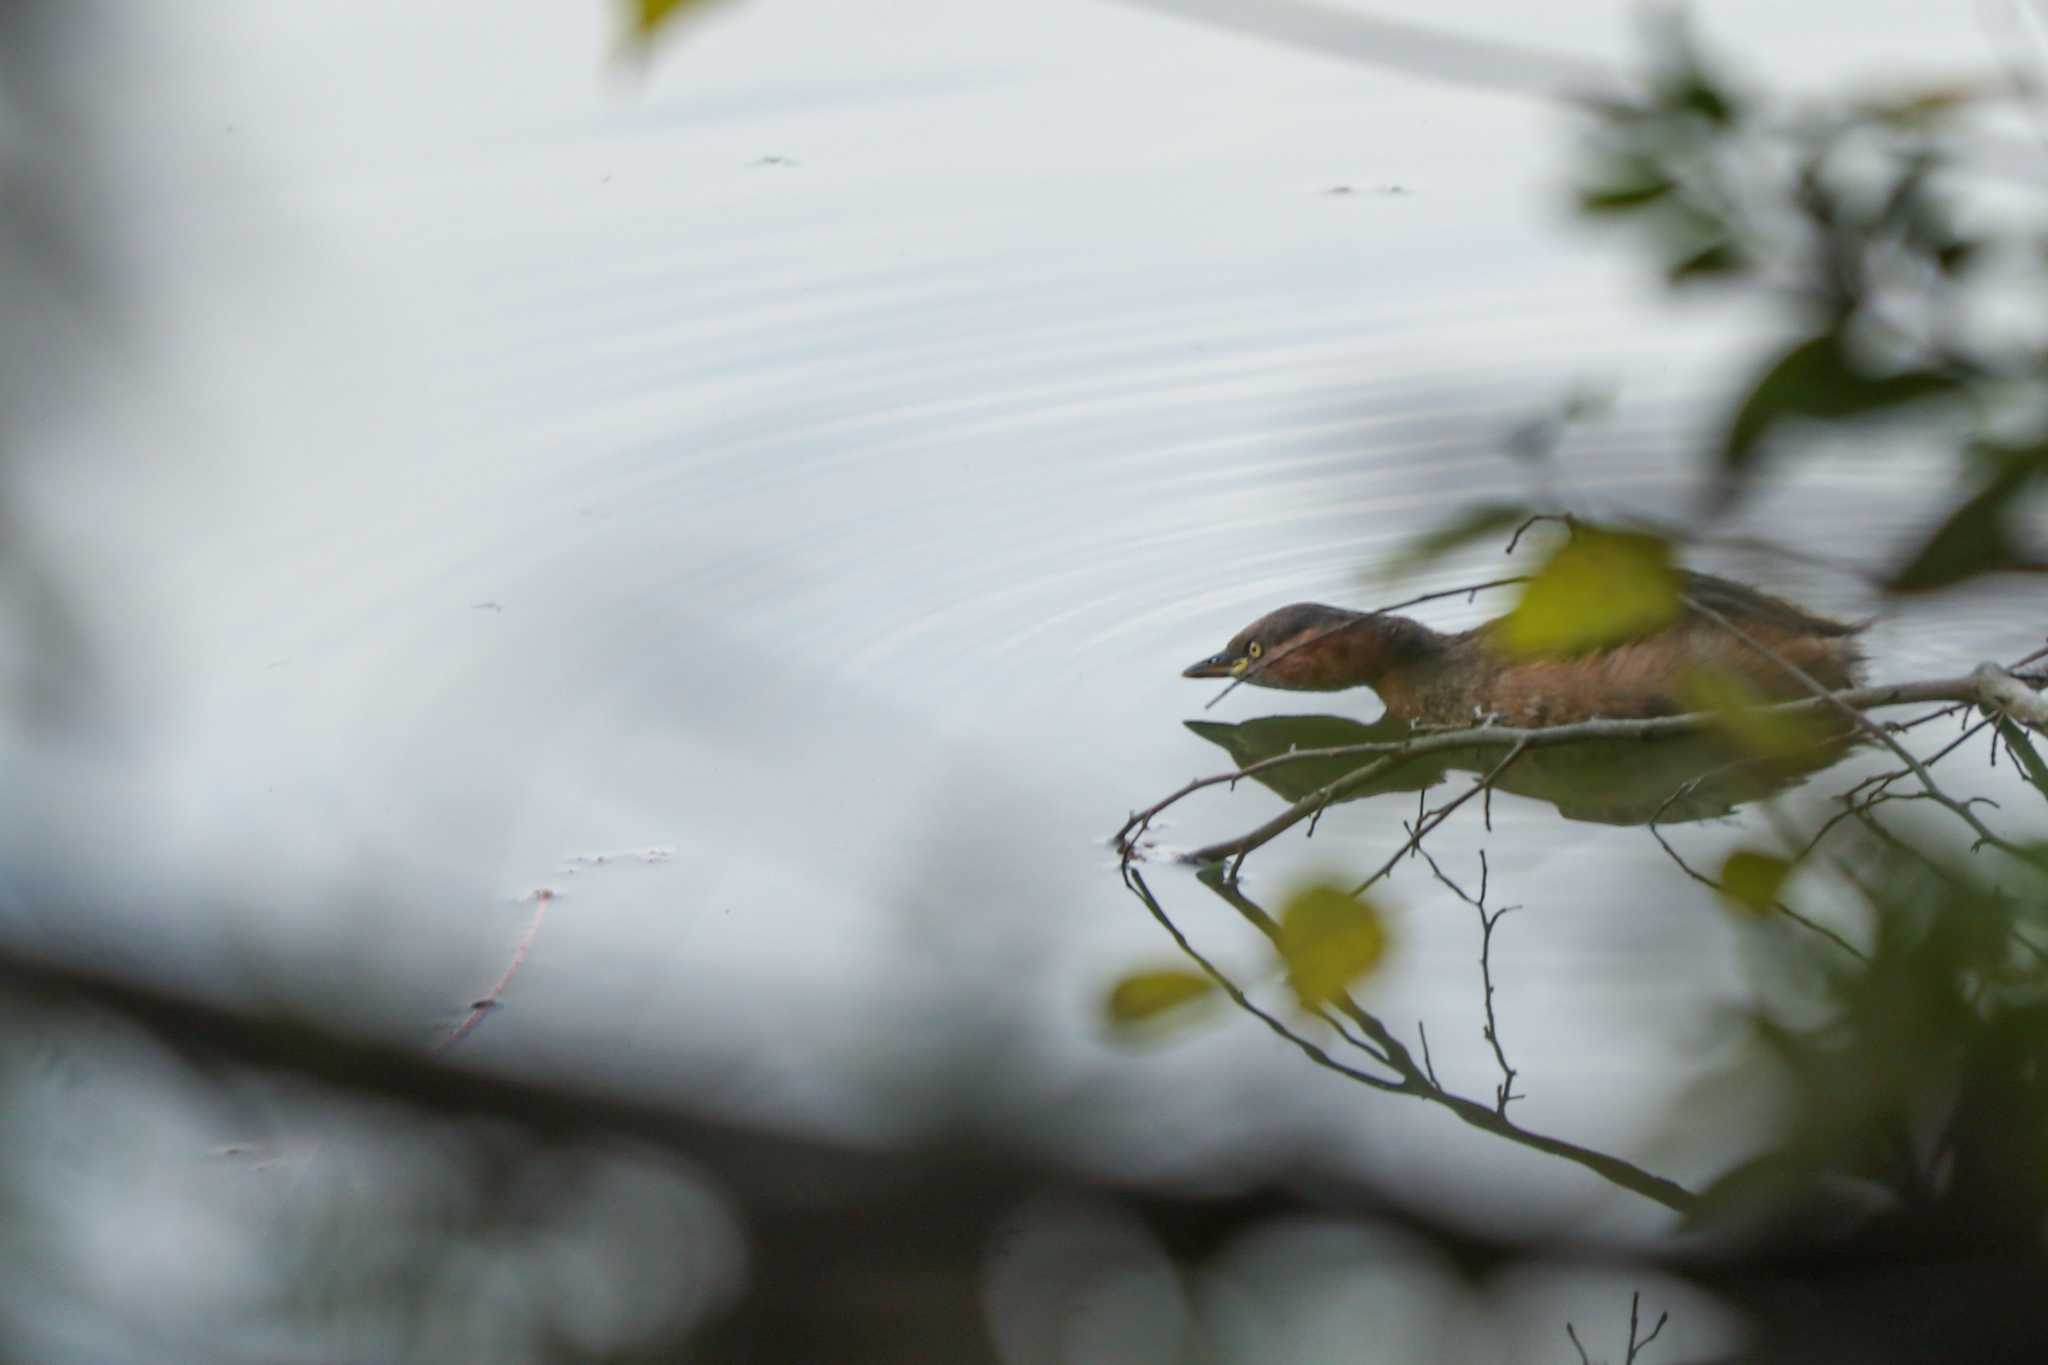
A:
x: 1427, y: 677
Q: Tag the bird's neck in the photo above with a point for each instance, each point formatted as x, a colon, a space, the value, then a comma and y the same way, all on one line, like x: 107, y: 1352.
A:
x: 1379, y: 649
x: 1409, y: 665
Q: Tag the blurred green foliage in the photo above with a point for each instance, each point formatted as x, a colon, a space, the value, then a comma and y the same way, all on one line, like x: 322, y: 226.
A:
x: 1597, y: 589
x: 1915, y: 1074
x: 1850, y: 215
x: 1854, y: 218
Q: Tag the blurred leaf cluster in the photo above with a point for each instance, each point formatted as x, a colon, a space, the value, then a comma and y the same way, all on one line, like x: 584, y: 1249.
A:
x: 1913, y: 1078
x: 1868, y: 223
x: 1905, y: 256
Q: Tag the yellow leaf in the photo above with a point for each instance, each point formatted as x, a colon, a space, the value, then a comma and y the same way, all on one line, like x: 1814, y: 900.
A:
x: 645, y: 17
x: 1733, y: 703
x: 1143, y: 996
x: 1752, y: 880
x: 1329, y: 938
x: 1600, y: 588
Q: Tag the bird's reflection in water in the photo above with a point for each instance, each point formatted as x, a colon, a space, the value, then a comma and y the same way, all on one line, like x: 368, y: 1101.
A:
x: 1666, y: 780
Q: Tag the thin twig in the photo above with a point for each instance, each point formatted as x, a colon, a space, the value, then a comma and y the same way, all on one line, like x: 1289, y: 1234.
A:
x: 1635, y: 1346
x: 1569, y: 522
x: 1442, y: 813
x: 1877, y: 786
x: 1505, y: 1091
x: 1715, y: 884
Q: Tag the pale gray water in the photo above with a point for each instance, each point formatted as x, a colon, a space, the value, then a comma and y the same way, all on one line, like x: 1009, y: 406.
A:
x: 526, y: 471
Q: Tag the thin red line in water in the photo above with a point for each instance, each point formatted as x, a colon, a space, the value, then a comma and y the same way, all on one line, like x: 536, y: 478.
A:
x: 487, y: 1002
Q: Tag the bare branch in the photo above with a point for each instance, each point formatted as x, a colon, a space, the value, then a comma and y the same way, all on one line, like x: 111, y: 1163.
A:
x: 1415, y: 1078
x: 2003, y: 692
x: 1237, y: 848
x: 1966, y: 690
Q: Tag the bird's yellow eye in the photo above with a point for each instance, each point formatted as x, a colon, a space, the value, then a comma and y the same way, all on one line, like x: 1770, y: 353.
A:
x: 1254, y: 649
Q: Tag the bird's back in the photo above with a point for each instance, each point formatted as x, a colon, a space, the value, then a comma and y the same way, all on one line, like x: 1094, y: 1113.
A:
x: 1664, y: 673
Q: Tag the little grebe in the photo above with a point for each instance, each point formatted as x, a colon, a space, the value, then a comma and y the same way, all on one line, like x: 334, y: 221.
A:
x: 1430, y: 678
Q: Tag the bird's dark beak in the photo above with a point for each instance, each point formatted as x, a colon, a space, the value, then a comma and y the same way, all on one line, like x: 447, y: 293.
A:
x: 1215, y: 666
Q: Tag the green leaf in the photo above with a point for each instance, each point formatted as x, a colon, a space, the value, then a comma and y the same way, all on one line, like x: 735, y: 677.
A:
x: 1475, y: 523
x: 1976, y: 539
x: 2023, y: 750
x: 1142, y: 997
x: 1624, y: 196
x: 1718, y: 259
x: 1329, y: 938
x: 1600, y: 588
x: 1698, y: 95
x: 1752, y: 880
x: 1954, y: 256
x: 1683, y: 82
x: 1818, y: 380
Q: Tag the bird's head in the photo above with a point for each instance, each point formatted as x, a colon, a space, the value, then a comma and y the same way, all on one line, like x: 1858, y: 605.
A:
x: 1306, y: 648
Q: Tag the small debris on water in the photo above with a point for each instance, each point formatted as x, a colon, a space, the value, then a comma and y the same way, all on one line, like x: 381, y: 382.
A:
x: 646, y: 853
